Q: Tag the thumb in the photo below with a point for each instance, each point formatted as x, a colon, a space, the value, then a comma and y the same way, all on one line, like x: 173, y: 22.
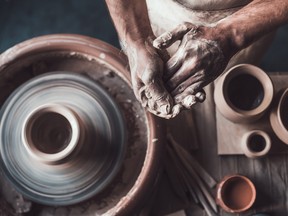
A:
x: 168, y: 38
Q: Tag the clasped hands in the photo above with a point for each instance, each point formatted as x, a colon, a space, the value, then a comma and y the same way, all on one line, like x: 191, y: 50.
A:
x: 166, y: 85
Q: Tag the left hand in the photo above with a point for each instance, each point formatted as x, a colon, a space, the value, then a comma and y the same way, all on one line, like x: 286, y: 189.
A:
x: 201, y: 57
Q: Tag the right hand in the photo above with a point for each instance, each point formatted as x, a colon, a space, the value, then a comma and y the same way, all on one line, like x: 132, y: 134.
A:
x: 201, y: 57
x: 146, y: 66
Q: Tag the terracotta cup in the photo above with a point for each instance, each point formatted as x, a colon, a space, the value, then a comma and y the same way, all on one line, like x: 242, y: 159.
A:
x: 235, y: 193
x: 279, y: 118
x: 243, y: 93
x: 256, y: 143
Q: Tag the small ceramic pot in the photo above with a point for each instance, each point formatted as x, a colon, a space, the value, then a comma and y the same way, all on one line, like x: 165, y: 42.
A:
x: 256, y: 143
x: 279, y: 118
x: 56, y: 151
x: 235, y: 194
x: 244, y: 93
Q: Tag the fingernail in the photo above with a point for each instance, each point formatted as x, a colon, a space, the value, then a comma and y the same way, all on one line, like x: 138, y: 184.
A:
x: 177, y: 99
x: 200, y: 96
x: 176, y: 110
x: 152, y: 105
x: 165, y: 109
x: 148, y: 95
x: 157, y: 44
x: 189, y: 101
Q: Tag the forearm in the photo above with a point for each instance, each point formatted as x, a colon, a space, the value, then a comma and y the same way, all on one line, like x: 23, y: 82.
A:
x: 131, y: 20
x: 253, y: 21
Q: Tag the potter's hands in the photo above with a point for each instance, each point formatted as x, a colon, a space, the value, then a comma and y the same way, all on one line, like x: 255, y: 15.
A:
x: 198, y: 61
x: 146, y: 66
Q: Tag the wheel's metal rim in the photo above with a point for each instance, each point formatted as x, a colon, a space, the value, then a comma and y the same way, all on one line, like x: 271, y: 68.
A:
x: 90, y: 167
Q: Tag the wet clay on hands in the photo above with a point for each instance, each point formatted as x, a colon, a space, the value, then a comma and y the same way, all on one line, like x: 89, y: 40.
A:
x: 146, y: 62
x: 146, y: 67
x: 197, y: 62
x: 148, y: 73
x: 201, y: 57
x: 204, y: 52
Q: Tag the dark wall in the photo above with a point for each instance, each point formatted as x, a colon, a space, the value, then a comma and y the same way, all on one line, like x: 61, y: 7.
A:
x: 276, y: 59
x: 24, y: 19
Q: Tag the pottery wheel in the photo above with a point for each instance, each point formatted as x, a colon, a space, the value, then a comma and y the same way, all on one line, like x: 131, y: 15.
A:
x: 62, y: 138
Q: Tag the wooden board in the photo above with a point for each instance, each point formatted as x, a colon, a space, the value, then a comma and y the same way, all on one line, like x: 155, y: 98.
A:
x: 229, y: 134
x: 269, y: 174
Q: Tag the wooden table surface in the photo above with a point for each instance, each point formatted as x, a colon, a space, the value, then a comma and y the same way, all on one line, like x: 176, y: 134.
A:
x: 269, y: 174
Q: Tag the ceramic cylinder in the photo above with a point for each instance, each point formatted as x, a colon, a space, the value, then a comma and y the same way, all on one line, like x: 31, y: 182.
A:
x: 279, y: 117
x: 244, y: 93
x: 235, y: 193
x: 58, y: 120
x: 256, y: 143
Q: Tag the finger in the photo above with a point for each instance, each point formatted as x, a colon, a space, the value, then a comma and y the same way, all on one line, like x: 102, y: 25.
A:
x: 136, y: 85
x: 163, y: 54
x: 189, y: 101
x: 142, y: 96
x: 195, y: 80
x: 159, y: 114
x: 189, y: 70
x: 200, y: 96
x: 175, y: 111
x: 172, y: 66
x: 187, y: 97
x: 168, y: 38
x: 158, y: 98
x: 139, y: 90
x: 186, y: 100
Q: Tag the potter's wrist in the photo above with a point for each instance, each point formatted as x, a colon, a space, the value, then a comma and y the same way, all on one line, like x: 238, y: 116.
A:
x: 230, y: 39
x: 138, y: 43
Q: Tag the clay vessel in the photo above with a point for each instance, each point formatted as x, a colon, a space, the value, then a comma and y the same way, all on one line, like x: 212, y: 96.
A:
x: 65, y: 118
x: 235, y: 194
x: 243, y: 93
x: 256, y: 143
x: 279, y: 117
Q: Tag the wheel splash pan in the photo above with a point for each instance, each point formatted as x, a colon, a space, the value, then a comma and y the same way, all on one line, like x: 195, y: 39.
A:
x: 91, y: 58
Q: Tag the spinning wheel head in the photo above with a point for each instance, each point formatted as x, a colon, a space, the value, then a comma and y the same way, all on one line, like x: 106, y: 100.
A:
x: 68, y: 141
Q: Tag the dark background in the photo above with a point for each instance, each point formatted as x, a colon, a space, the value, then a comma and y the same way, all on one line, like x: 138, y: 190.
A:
x: 24, y: 19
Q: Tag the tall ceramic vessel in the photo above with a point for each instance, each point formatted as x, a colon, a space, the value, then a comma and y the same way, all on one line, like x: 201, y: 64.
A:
x: 243, y: 93
x: 279, y: 117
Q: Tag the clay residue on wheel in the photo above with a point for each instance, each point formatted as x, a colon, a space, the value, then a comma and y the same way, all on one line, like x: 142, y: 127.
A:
x: 26, y: 68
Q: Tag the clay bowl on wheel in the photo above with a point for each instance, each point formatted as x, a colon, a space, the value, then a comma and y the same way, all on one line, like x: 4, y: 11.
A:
x: 106, y: 149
